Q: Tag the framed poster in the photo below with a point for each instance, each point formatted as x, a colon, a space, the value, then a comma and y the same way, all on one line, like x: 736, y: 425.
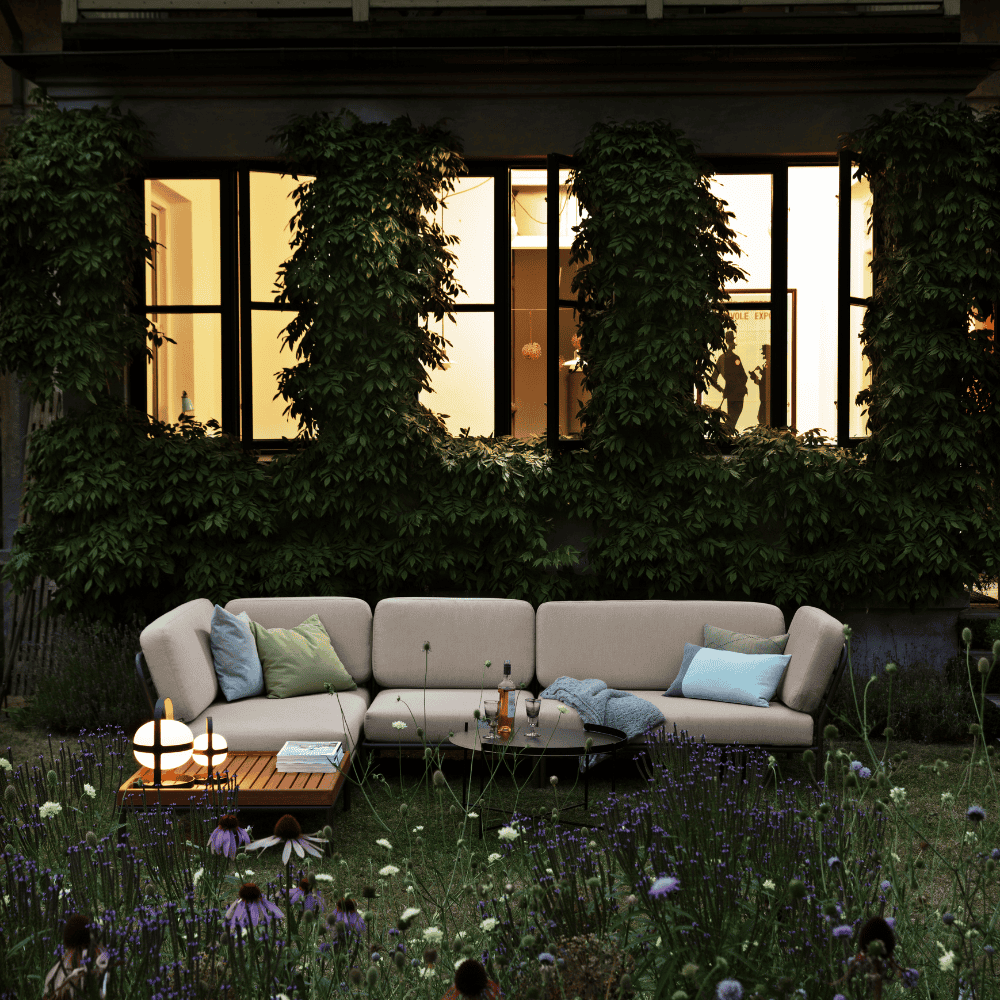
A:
x: 739, y: 378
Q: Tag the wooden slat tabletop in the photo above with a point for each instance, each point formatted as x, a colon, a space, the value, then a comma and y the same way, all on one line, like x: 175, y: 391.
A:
x: 256, y: 776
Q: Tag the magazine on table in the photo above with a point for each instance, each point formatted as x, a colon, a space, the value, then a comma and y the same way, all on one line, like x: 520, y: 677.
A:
x: 300, y: 756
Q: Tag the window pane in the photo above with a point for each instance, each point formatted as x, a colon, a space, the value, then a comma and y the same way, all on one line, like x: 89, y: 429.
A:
x: 748, y: 197
x: 860, y: 378
x: 528, y: 301
x: 192, y: 365
x: 267, y: 359
x: 468, y: 214
x: 185, y: 217
x: 861, y: 239
x: 463, y: 392
x: 271, y: 211
x: 813, y: 225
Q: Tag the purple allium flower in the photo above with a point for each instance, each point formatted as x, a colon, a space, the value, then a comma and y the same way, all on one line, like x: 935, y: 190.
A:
x: 833, y: 862
x: 729, y: 989
x: 307, y: 895
x: 856, y: 766
x: 288, y: 832
x: 885, y: 885
x: 227, y: 836
x: 843, y: 930
x: 865, y: 773
x: 664, y: 885
x: 975, y: 814
x: 909, y: 978
x: 251, y: 907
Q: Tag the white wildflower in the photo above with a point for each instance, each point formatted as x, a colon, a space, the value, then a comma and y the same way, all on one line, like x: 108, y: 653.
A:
x: 493, y: 857
x: 90, y: 790
x: 48, y: 809
x: 417, y: 829
x: 197, y: 875
x: 488, y: 924
x: 947, y: 961
x: 410, y: 888
x: 592, y: 843
x: 389, y: 870
x: 549, y: 871
x: 409, y: 913
x: 382, y: 842
x: 898, y: 795
x: 427, y: 972
x: 458, y: 962
x: 767, y: 884
x: 323, y: 877
x: 970, y: 837
x: 563, y: 709
x: 897, y: 858
x: 473, y: 815
x: 399, y: 724
x: 5, y: 764
x: 433, y: 935
x: 947, y: 798
x: 507, y: 833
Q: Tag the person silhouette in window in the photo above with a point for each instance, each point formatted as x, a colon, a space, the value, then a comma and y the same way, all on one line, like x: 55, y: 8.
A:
x: 730, y: 367
x: 762, y: 379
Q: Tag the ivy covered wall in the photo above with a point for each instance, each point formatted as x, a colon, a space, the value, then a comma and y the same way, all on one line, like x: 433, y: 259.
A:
x: 378, y: 500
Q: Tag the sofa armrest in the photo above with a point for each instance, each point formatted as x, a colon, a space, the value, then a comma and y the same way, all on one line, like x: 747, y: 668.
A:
x: 815, y: 641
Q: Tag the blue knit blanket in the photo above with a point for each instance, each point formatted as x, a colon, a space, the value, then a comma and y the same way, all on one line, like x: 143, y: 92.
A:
x: 600, y: 705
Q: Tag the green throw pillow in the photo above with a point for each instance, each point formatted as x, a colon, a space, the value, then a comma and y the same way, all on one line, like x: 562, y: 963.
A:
x: 299, y: 660
x: 739, y: 642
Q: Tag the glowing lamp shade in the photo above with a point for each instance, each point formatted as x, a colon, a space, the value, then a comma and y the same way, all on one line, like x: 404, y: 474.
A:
x: 210, y: 741
x: 165, y: 743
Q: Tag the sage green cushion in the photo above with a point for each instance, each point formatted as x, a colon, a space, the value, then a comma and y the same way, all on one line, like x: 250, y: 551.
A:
x: 740, y: 642
x: 299, y: 660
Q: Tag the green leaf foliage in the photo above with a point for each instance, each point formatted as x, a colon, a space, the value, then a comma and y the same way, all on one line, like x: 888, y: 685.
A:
x: 70, y: 236
x: 374, y: 498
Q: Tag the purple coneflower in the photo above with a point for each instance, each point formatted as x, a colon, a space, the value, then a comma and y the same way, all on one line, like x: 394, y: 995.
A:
x: 976, y: 814
x: 250, y: 907
x: 227, y: 836
x: 347, y: 913
x: 664, y: 885
x: 288, y: 832
x: 306, y: 894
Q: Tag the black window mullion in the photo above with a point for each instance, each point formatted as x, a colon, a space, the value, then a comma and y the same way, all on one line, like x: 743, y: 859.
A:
x: 779, y: 297
x: 229, y: 292
x: 844, y: 304
x: 501, y: 301
x: 245, y: 306
x: 136, y: 379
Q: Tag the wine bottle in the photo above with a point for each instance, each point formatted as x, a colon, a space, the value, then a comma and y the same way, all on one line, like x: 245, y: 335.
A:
x: 508, y: 701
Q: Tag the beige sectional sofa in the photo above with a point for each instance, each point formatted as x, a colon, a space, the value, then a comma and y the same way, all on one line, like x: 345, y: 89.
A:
x: 632, y: 645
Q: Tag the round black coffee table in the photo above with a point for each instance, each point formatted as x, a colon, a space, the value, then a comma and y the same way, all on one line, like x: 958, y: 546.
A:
x: 552, y: 741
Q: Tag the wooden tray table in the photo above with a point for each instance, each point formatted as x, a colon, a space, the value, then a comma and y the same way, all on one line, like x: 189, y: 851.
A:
x: 260, y: 784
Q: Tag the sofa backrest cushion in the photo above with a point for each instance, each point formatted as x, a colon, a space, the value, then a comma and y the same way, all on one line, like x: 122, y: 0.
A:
x: 178, y: 652
x: 636, y: 645
x: 463, y: 633
x: 347, y: 620
x: 815, y: 640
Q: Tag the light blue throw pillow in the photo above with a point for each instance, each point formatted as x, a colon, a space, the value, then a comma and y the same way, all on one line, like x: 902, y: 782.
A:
x: 736, y: 678
x: 234, y: 651
x: 674, y: 691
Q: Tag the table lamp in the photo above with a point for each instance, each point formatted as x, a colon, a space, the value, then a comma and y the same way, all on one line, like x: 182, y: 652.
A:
x: 163, y: 744
x: 210, y: 749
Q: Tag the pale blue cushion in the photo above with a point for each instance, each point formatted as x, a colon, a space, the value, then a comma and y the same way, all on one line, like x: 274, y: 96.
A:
x: 234, y: 651
x: 674, y: 691
x: 736, y: 678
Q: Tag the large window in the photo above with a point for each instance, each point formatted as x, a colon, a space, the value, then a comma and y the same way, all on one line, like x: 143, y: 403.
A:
x: 222, y: 233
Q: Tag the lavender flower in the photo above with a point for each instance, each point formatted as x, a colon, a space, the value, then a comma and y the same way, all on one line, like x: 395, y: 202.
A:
x: 288, y: 832
x: 664, y: 886
x: 307, y: 894
x: 251, y: 908
x: 227, y: 836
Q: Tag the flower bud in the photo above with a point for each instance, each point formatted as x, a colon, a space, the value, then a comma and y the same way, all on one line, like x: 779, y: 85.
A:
x: 831, y: 732
x: 328, y: 832
x: 678, y: 995
x: 476, y: 714
x: 996, y: 648
x: 625, y: 983
x: 53, y: 779
x: 808, y: 757
x: 889, y: 732
x: 399, y: 960
x: 975, y: 729
x: 430, y: 955
x: 309, y: 916
x: 555, y: 815
x: 554, y: 780
x: 355, y: 976
x: 876, y: 949
x: 689, y: 971
x: 588, y: 743
x: 528, y: 941
x: 797, y: 889
x: 10, y: 793
x: 372, y: 977
x: 984, y: 665
x: 891, y: 668
x: 440, y: 781
x: 847, y: 632
x: 990, y: 864
x: 91, y: 838
x: 403, y: 809
x: 721, y: 965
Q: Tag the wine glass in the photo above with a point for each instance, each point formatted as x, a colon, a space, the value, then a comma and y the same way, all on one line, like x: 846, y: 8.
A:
x: 491, y: 708
x: 532, y: 706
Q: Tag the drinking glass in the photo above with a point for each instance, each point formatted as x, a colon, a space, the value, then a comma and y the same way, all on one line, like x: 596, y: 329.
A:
x: 491, y: 708
x: 532, y: 706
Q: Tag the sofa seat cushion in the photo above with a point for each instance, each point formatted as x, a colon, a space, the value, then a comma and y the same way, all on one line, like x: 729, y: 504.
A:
x: 636, y: 644
x: 265, y: 724
x: 463, y: 632
x: 721, y: 722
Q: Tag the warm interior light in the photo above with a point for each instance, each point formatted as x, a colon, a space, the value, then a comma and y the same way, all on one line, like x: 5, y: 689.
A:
x: 201, y: 745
